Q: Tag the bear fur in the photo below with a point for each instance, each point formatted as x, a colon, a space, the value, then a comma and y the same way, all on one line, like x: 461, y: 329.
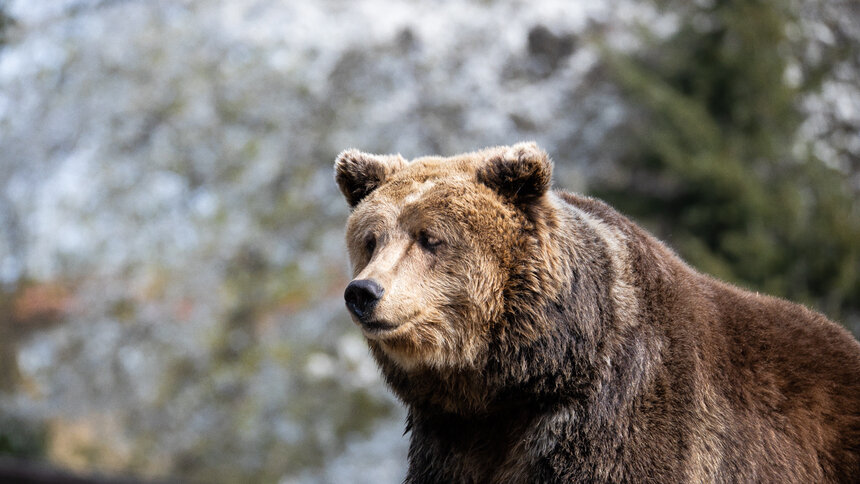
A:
x: 540, y: 336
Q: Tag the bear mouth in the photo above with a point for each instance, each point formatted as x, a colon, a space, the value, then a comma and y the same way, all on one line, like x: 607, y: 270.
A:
x: 377, y: 328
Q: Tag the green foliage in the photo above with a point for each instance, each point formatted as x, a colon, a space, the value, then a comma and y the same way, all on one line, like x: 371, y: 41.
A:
x: 22, y: 438
x: 712, y: 160
x: 5, y: 22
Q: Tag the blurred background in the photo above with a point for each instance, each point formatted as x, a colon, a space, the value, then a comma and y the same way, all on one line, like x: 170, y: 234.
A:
x: 171, y: 239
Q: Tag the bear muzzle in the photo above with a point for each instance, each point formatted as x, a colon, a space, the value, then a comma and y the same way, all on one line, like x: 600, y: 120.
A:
x: 361, y: 297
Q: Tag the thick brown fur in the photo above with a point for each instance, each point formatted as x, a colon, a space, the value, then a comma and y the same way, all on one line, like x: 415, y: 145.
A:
x: 540, y: 336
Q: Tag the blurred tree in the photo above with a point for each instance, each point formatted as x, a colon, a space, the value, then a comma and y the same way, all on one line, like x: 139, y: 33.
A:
x: 18, y: 437
x: 22, y: 438
x: 5, y: 21
x: 712, y: 159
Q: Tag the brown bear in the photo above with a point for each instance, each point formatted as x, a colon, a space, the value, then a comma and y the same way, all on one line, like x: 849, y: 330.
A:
x: 539, y: 336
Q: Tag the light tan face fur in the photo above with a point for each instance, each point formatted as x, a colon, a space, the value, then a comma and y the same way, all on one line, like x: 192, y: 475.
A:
x: 438, y: 242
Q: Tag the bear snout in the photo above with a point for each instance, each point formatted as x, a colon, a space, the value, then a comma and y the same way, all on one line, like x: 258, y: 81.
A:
x: 361, y: 297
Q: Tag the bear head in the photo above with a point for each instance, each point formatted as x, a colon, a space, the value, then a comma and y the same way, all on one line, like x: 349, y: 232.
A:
x: 444, y: 251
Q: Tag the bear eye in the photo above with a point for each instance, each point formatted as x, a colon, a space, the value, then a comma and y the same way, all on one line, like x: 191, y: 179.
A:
x: 370, y: 243
x: 428, y: 242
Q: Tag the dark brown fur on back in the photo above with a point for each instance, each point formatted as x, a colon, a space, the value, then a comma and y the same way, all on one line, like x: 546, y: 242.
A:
x: 599, y: 355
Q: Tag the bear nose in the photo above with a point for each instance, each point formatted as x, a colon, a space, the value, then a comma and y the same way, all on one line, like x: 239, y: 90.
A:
x: 361, y: 296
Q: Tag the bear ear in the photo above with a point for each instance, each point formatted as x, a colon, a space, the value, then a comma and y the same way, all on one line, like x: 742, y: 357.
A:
x: 358, y: 174
x: 522, y: 173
